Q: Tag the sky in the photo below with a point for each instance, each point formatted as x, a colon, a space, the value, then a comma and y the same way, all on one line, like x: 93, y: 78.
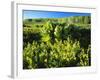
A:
x: 29, y: 14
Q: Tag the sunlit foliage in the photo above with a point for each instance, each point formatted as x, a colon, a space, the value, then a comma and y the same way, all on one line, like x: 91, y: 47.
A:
x: 60, y: 42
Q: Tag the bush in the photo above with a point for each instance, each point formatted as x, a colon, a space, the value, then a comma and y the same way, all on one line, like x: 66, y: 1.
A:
x: 59, y: 54
x: 56, y: 44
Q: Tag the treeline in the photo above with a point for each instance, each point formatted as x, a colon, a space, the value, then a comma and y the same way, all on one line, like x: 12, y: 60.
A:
x: 68, y: 20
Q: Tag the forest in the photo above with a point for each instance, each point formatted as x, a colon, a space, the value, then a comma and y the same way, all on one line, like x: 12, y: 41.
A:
x: 57, y: 42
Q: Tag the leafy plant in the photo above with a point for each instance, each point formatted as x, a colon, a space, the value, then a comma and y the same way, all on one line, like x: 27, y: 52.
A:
x: 57, y: 42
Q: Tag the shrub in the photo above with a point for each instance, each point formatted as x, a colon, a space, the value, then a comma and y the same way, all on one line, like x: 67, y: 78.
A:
x: 59, y: 54
x: 51, y: 44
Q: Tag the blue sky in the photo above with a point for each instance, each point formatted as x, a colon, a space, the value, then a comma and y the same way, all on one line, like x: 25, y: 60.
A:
x: 27, y: 14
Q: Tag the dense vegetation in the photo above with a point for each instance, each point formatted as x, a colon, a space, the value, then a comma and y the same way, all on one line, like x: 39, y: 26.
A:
x: 57, y: 42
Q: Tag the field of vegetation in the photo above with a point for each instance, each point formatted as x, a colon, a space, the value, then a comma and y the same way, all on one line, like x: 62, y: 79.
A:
x: 57, y: 42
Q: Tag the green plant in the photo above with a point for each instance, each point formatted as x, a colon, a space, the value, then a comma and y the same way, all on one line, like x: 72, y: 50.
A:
x: 61, y: 42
